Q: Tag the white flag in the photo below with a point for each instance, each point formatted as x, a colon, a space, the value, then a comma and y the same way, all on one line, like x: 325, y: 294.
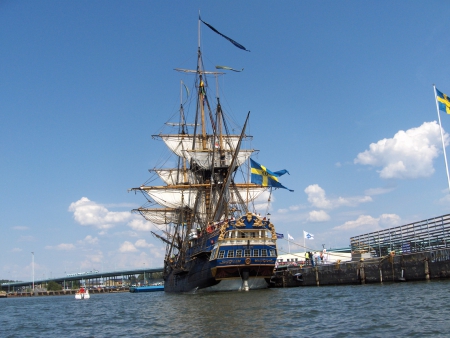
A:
x: 307, y: 235
x: 290, y: 237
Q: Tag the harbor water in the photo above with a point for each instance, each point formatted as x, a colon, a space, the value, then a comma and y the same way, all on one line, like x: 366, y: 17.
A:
x: 412, y: 309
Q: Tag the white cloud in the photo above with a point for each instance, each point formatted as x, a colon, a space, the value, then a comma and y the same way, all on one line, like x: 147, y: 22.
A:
x: 141, y: 243
x: 318, y: 199
x: 16, y: 250
x: 20, y: 228
x: 378, y: 191
x: 61, y: 247
x: 127, y: 247
x: 409, y: 154
x: 140, y: 224
x: 369, y: 223
x: 87, y: 212
x: 89, y: 240
x: 318, y: 216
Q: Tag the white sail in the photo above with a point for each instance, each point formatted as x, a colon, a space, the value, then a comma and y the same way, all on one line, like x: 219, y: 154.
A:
x: 180, y: 143
x: 204, y: 158
x: 160, y: 216
x: 253, y: 193
x: 175, y: 176
x: 173, y: 198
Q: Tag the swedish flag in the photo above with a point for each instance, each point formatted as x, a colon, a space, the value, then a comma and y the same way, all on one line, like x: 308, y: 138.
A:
x: 263, y: 176
x: 443, y: 101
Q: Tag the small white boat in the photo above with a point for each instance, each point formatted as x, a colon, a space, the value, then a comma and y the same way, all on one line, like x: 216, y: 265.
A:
x: 82, y: 293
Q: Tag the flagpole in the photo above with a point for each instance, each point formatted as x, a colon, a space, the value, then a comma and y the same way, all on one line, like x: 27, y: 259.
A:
x: 304, y: 241
x: 289, y: 241
x: 442, y: 136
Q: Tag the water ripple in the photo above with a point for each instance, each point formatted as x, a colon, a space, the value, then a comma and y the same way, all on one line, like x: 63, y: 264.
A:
x: 374, y: 310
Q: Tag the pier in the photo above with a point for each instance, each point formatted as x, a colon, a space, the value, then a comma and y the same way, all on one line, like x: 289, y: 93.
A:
x: 413, y: 252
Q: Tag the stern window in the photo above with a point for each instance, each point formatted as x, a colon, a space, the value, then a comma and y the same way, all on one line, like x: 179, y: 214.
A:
x: 264, y: 252
x: 221, y: 254
x: 238, y: 253
x: 247, y: 253
x: 230, y: 254
x: 256, y: 253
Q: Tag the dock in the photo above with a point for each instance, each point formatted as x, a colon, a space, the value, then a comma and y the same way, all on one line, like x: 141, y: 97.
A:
x: 418, y: 251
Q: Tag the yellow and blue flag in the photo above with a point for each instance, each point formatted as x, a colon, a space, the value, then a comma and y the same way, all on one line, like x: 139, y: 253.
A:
x: 443, y: 101
x: 263, y: 176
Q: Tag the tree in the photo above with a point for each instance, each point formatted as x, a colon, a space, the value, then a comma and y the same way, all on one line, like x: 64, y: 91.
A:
x: 53, y: 286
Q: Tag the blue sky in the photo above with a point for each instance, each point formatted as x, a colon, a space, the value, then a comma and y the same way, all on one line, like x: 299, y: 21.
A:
x: 340, y: 94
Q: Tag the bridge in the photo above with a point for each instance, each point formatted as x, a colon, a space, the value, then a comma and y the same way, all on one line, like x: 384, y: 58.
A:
x: 89, y: 278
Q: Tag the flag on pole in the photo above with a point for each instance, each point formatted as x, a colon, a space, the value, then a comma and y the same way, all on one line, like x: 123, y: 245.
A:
x: 290, y: 237
x: 307, y: 235
x: 443, y: 102
x: 263, y: 176
x: 229, y: 68
x: 237, y: 44
x: 280, y: 235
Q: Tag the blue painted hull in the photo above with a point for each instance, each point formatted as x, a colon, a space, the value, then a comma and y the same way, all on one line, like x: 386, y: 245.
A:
x: 151, y: 288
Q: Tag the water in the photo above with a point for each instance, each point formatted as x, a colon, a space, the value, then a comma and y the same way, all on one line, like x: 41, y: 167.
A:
x: 404, y: 309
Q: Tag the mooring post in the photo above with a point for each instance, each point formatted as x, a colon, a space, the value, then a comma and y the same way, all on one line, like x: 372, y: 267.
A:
x: 317, y: 275
x: 362, y: 274
x: 427, y: 270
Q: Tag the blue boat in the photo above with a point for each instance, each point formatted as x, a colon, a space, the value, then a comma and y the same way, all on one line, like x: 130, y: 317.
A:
x: 150, y: 288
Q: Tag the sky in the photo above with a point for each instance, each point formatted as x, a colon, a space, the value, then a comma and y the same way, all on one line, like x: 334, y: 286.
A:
x: 340, y: 94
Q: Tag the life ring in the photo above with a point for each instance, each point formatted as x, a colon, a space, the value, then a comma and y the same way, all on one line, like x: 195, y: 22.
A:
x: 248, y: 261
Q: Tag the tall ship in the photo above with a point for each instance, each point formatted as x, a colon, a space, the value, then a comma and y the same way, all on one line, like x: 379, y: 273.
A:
x: 203, y: 208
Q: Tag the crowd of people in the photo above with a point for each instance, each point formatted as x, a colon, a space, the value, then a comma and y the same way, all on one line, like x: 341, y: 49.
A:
x: 315, y: 258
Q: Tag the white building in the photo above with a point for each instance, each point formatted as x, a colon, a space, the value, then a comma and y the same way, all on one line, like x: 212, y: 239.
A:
x: 298, y: 258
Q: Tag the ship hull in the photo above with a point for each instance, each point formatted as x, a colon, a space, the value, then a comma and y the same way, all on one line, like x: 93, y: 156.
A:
x: 200, y: 277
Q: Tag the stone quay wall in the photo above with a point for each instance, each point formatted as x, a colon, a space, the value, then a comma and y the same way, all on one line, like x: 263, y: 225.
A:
x: 433, y: 264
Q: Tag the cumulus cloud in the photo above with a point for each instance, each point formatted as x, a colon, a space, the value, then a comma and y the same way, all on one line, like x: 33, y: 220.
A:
x: 87, y: 212
x: 409, y: 154
x: 61, y: 247
x: 318, y: 199
x: 369, y: 223
x: 127, y: 247
x: 141, y: 243
x: 318, y: 216
x: 140, y: 224
x: 89, y: 240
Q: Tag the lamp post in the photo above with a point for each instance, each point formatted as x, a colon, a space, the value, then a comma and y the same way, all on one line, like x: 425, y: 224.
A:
x: 32, y: 264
